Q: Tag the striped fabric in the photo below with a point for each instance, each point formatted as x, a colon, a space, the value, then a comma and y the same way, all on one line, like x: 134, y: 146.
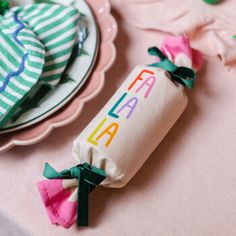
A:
x: 22, y: 59
x: 56, y: 27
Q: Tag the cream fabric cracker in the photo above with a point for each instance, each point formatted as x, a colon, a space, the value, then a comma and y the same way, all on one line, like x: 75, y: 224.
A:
x: 135, y: 120
x: 117, y: 142
x: 131, y: 125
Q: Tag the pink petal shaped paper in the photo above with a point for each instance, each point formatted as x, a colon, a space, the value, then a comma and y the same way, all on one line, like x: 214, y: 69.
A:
x: 179, y: 51
x: 55, y: 198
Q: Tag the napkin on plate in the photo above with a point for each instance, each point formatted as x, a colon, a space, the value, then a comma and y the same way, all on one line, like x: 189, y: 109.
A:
x: 43, y: 37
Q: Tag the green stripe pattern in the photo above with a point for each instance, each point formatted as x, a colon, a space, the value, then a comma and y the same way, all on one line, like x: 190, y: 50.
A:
x: 56, y: 27
x: 17, y: 43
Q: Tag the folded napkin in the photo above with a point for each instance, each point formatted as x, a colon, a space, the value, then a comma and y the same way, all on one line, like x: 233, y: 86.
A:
x: 116, y: 143
x: 37, y: 44
x: 56, y: 27
x: 22, y: 60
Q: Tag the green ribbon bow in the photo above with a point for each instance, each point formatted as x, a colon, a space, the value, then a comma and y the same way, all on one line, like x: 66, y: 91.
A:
x: 4, y: 5
x: 88, y: 178
x: 183, y: 75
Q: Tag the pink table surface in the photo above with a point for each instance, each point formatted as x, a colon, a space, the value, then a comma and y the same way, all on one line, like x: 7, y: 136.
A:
x: 187, y: 187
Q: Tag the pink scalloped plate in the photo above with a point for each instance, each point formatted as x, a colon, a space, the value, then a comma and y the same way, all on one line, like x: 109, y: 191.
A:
x: 107, y: 53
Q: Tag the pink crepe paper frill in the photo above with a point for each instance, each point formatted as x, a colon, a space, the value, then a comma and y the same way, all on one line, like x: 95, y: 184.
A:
x: 179, y: 51
x: 60, y: 209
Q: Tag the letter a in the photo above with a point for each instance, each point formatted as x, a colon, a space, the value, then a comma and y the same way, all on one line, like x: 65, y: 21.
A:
x: 131, y: 104
x: 152, y: 80
x: 111, y: 130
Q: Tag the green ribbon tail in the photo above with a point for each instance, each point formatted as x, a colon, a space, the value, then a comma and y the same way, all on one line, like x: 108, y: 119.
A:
x: 183, y: 75
x: 83, y: 201
x: 88, y: 178
x: 50, y: 173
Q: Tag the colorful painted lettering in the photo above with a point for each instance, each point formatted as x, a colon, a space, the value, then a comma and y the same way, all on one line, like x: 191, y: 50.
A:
x: 149, y: 83
x: 131, y: 104
x: 139, y: 77
x: 110, y: 130
x: 124, y: 105
x: 111, y: 112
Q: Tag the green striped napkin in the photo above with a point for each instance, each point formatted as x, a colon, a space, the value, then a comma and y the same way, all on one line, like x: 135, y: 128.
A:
x: 22, y: 60
x: 36, y: 43
x: 56, y: 27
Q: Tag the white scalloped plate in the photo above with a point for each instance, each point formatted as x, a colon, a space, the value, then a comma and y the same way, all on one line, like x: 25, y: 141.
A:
x: 79, y: 73
x: 71, y: 111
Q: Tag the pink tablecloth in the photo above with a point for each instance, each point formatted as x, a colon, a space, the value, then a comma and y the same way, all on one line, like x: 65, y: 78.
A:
x: 187, y: 187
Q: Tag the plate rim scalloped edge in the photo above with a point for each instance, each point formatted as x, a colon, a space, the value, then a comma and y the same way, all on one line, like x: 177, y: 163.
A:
x: 56, y: 124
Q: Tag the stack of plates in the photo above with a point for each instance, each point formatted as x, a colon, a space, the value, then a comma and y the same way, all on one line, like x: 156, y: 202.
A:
x: 76, y: 75
x: 36, y: 124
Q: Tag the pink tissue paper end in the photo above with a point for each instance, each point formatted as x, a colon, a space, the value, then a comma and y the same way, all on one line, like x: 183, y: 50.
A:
x: 174, y: 46
x: 55, y: 199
